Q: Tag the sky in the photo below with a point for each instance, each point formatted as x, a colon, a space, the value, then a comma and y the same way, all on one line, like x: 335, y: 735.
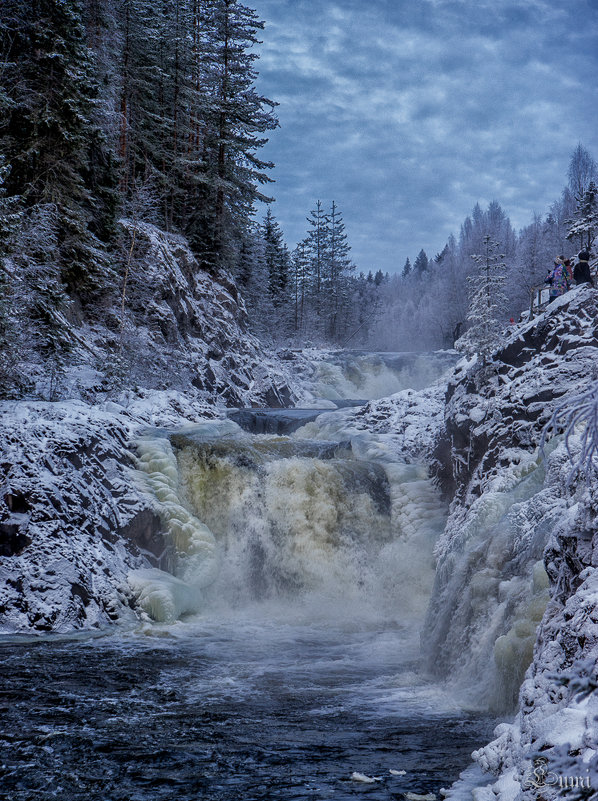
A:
x: 407, y: 113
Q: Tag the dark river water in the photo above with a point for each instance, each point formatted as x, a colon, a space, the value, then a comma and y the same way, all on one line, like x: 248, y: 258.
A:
x: 226, y: 710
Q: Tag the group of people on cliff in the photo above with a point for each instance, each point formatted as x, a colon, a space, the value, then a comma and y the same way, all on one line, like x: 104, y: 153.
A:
x: 564, y: 273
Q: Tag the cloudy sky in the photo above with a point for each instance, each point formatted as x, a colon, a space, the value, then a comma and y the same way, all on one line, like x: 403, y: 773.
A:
x: 408, y: 112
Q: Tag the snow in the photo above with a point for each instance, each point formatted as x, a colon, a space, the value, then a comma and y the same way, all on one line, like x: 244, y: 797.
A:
x: 90, y: 503
x: 361, y: 777
x: 500, y: 484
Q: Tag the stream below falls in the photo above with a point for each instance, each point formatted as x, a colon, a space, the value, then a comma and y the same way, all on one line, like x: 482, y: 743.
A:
x: 228, y: 710
x: 283, y: 658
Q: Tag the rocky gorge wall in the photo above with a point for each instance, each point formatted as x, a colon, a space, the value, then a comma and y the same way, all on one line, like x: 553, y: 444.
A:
x: 514, y: 615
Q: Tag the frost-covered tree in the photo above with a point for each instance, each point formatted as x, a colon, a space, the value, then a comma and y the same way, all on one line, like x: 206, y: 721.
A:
x: 57, y: 154
x: 446, y: 307
x: 584, y: 225
x: 578, y: 417
x: 582, y: 171
x: 487, y: 304
x: 39, y: 296
x: 406, y: 268
x: 10, y: 212
x: 10, y: 218
x: 534, y: 256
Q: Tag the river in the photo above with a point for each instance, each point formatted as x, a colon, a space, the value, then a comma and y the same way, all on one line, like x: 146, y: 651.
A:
x: 283, y: 661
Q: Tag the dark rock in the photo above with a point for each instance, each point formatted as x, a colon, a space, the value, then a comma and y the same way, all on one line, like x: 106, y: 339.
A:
x: 145, y: 531
x: 13, y: 540
x: 17, y: 502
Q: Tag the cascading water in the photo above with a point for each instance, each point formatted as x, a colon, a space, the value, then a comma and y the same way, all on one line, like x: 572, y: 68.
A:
x: 355, y: 374
x: 262, y: 518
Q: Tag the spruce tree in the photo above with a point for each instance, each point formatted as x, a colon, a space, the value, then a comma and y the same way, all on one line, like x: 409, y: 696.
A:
x: 301, y: 277
x: 57, y: 154
x: 317, y: 247
x: 276, y: 257
x: 337, y: 268
x: 487, y: 306
x: 239, y: 117
x: 420, y: 264
x: 406, y: 269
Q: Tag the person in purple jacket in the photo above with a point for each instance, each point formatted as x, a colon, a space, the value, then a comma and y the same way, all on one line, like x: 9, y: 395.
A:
x: 558, y: 279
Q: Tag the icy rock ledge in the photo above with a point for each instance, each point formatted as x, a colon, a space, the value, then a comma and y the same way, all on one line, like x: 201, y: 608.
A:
x: 492, y: 427
x: 163, y: 596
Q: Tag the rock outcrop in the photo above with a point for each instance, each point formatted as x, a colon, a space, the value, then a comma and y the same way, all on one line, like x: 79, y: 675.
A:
x: 517, y: 578
x: 186, y: 330
x: 71, y: 525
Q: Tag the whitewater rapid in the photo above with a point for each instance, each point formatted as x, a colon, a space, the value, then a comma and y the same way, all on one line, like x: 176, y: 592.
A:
x: 258, y: 518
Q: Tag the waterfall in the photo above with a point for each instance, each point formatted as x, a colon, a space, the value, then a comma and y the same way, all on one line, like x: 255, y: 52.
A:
x: 354, y: 374
x: 491, y: 588
x: 279, y: 520
x: 331, y: 522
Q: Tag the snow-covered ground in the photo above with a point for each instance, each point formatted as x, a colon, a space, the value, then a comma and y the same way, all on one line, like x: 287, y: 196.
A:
x: 517, y: 562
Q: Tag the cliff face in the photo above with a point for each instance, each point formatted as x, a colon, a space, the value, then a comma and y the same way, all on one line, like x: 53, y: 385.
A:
x: 517, y: 579
x: 183, y: 329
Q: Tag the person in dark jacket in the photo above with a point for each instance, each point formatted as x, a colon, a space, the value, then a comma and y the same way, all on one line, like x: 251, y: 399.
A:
x: 581, y: 272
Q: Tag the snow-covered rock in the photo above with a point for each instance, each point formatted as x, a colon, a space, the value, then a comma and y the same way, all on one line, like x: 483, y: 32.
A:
x: 180, y: 329
x: 71, y: 526
x: 520, y: 537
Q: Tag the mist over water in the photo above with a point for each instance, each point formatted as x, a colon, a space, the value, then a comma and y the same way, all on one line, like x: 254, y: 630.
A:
x: 355, y: 374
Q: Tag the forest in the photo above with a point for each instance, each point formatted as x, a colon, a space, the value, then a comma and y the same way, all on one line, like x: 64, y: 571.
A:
x: 115, y: 113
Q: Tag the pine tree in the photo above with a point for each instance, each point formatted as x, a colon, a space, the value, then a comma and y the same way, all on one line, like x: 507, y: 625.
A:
x: 57, y: 154
x: 486, y: 312
x: 406, y: 269
x: 420, y: 264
